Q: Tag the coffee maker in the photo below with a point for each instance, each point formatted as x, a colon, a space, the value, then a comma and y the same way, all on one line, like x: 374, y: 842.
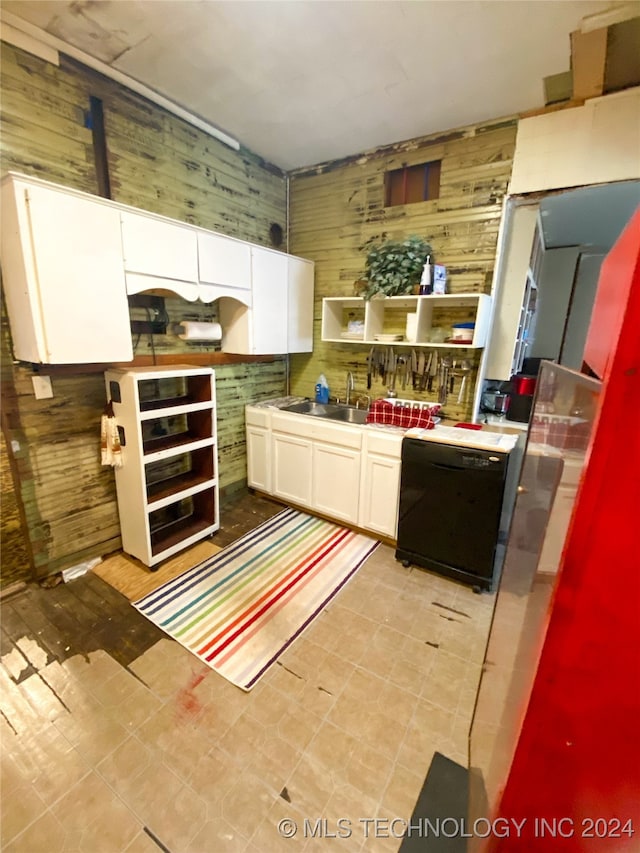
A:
x: 523, y: 387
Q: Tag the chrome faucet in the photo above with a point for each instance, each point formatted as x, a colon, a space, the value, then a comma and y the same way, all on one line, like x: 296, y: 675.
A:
x: 350, y: 387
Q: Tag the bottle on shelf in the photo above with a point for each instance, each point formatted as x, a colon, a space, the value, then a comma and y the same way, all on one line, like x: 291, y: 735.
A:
x: 426, y: 285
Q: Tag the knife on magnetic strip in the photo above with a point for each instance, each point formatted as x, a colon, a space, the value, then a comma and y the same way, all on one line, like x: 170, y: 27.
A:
x: 370, y: 366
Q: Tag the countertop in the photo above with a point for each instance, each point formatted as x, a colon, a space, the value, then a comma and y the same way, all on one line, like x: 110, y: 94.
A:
x: 494, y: 425
x: 278, y: 402
x: 494, y: 421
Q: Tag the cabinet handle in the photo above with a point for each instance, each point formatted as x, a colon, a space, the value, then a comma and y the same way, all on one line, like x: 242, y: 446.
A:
x: 122, y: 437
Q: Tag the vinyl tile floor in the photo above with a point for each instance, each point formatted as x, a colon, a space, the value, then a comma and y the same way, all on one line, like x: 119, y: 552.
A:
x: 135, y: 745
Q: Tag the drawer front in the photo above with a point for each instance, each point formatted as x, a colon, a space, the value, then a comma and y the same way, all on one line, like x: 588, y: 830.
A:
x: 384, y: 443
x: 332, y: 433
x: 257, y: 417
x: 296, y: 425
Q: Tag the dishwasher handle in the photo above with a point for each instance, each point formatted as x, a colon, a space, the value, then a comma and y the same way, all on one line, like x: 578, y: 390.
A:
x: 478, y: 464
x: 448, y: 467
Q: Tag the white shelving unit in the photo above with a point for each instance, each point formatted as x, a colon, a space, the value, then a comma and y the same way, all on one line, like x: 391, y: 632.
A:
x: 168, y: 484
x: 387, y: 316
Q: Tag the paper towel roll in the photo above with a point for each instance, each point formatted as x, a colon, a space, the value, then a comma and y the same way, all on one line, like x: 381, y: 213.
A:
x: 195, y: 331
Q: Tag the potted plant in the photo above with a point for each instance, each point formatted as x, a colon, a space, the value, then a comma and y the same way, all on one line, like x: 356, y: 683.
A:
x: 395, y: 266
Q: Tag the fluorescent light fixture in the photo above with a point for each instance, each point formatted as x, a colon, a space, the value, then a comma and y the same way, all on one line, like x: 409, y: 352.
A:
x: 615, y: 15
x: 27, y: 43
x: 34, y: 40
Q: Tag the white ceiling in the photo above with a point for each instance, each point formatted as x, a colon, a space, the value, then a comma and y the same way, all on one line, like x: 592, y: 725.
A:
x: 591, y: 217
x: 301, y: 82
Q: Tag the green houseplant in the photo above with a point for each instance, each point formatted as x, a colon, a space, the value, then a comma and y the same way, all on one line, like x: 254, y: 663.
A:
x: 395, y: 266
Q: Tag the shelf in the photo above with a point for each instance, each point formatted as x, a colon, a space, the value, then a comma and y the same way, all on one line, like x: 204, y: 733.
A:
x: 152, y: 405
x: 175, y: 487
x: 182, y: 473
x: 196, y: 514
x: 168, y: 485
x: 405, y: 344
x: 168, y: 409
x: 182, y: 429
x: 389, y: 316
x: 168, y: 442
x: 166, y: 392
x: 175, y: 534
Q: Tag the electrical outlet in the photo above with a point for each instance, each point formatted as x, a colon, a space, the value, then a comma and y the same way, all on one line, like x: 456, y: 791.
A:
x: 42, y: 387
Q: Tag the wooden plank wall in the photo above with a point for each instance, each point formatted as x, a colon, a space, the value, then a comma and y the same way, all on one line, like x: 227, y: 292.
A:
x: 337, y: 207
x: 158, y: 163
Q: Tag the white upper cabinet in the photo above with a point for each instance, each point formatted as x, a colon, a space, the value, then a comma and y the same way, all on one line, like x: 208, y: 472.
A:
x: 70, y: 259
x: 265, y: 297
x: 223, y: 263
x: 159, y: 254
x: 281, y: 315
x: 63, y: 277
x: 300, y: 305
x: 269, y: 288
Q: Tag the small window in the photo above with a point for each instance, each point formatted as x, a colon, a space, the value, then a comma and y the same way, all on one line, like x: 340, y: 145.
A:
x: 413, y: 183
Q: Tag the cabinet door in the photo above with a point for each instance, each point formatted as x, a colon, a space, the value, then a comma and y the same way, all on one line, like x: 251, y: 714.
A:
x: 292, y: 468
x: 269, y: 298
x: 159, y: 249
x: 380, y: 493
x: 336, y: 481
x: 259, y: 458
x: 300, y: 305
x: 77, y: 256
x: 223, y: 261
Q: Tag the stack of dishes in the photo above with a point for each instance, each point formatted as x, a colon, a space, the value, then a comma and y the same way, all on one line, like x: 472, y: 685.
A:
x: 462, y: 333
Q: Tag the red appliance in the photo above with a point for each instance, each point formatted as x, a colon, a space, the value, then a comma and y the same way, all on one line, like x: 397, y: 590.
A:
x: 523, y: 387
x: 578, y: 755
x: 523, y: 384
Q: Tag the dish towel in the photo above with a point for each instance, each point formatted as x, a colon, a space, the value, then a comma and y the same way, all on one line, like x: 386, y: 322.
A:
x: 405, y: 416
x: 110, y: 449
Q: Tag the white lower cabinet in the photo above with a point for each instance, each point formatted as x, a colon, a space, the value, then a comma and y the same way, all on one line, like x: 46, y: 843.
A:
x: 292, y: 468
x: 336, y: 481
x: 380, y: 484
x: 259, y: 458
x: 380, y: 490
x: 347, y: 472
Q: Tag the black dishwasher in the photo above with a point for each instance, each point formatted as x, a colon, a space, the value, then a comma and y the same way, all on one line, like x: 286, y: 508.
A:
x: 451, y: 509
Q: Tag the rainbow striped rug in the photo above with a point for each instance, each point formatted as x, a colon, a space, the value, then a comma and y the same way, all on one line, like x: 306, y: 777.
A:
x: 240, y: 609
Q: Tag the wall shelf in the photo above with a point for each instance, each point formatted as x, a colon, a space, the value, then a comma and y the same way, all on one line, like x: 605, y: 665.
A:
x: 388, y: 316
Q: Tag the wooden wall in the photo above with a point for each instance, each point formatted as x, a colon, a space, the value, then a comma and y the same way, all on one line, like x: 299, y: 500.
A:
x: 336, y: 208
x: 159, y: 163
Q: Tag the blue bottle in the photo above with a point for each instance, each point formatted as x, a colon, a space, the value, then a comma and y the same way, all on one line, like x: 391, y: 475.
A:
x: 322, y: 390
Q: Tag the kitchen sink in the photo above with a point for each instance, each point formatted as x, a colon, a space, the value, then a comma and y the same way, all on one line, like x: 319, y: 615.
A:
x: 330, y: 411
